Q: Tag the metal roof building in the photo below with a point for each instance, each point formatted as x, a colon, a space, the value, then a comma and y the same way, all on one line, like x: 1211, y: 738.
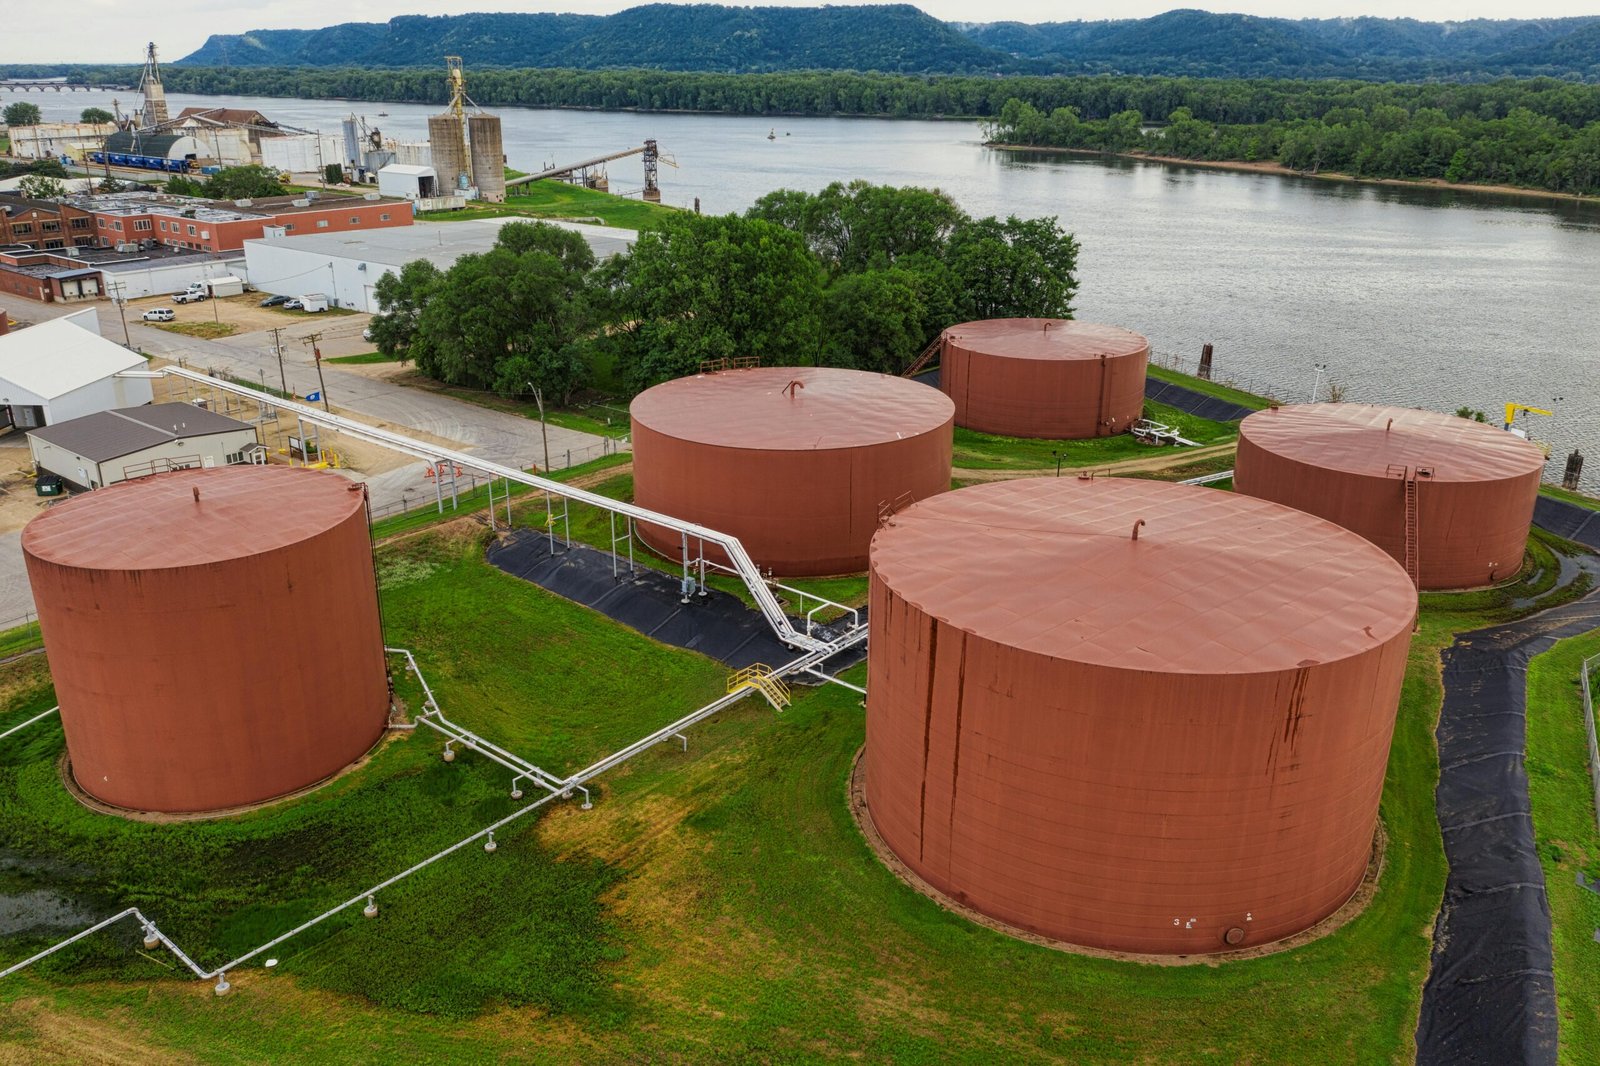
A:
x: 111, y: 446
x: 60, y: 370
x: 347, y: 265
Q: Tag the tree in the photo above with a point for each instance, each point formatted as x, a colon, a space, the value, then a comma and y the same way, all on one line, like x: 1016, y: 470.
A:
x: 862, y: 226
x: 1019, y: 268
x: 708, y: 287
x: 401, y: 298
x: 874, y: 321
x: 333, y: 173
x: 96, y: 115
x: 515, y: 317
x: 110, y: 184
x: 243, y: 183
x: 182, y: 186
x: 22, y: 113
x: 41, y: 187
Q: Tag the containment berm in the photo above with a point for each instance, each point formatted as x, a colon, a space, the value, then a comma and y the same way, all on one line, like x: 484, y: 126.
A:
x: 1131, y: 715
x: 213, y: 634
x: 1054, y: 378
x: 1464, y: 490
x: 798, y: 463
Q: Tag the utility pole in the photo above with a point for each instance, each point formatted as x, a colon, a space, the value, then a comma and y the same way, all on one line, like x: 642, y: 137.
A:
x: 277, y: 348
x: 316, y: 353
x: 122, y: 309
x: 538, y: 398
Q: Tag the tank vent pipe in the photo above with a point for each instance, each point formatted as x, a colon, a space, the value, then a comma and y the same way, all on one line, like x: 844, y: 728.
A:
x: 793, y: 385
x: 196, y: 489
x: 1389, y: 426
x: 1136, y: 526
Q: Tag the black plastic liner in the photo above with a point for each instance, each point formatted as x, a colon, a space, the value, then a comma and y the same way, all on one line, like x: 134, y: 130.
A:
x: 716, y: 624
x: 1195, y: 403
x: 1490, y: 996
x: 1568, y: 520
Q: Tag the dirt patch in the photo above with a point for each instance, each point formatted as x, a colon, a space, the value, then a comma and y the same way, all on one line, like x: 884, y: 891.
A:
x: 55, y: 1036
x: 856, y: 796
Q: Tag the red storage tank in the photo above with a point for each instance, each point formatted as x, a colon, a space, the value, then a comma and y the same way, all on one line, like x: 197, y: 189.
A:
x: 1132, y: 715
x: 795, y: 462
x: 213, y: 634
x: 1044, y: 377
x: 1475, y: 485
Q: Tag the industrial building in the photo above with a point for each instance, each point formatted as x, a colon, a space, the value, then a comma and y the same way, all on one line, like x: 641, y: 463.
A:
x: 130, y: 221
x: 1051, y: 378
x: 346, y: 266
x: 1131, y: 715
x: 1450, y: 498
x: 52, y: 140
x: 43, y: 225
x: 799, y: 464
x: 467, y: 151
x: 102, y: 449
x: 214, y: 634
x: 60, y: 370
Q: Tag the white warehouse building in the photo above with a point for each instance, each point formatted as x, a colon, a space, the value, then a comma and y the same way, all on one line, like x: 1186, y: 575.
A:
x: 59, y: 370
x: 346, y: 266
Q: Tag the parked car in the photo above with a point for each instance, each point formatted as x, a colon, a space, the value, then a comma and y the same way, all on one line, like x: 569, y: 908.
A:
x: 188, y: 297
x: 274, y: 301
x: 292, y: 305
x: 160, y: 314
x: 366, y: 334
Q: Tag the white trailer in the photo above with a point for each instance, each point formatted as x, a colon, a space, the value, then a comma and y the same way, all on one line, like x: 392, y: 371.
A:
x: 313, y: 301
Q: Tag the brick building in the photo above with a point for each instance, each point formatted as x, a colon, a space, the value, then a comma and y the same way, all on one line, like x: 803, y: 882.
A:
x: 223, y: 226
x: 44, y: 225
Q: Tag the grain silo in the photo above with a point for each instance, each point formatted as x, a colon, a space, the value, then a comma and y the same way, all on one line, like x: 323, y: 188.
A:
x: 213, y: 634
x: 1131, y: 715
x: 1465, y: 490
x: 798, y: 463
x: 1053, y: 378
x: 488, y: 157
x: 447, y: 143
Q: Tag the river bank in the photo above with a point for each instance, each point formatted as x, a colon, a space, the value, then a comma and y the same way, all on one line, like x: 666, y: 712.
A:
x: 1278, y: 169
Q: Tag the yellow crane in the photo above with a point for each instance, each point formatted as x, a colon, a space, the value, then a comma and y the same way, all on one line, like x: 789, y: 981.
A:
x: 1513, y: 408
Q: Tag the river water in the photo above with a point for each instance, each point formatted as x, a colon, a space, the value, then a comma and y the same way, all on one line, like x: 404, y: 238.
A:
x: 1419, y: 297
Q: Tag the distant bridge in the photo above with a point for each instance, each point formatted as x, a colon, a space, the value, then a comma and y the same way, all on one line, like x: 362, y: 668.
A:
x: 45, y: 85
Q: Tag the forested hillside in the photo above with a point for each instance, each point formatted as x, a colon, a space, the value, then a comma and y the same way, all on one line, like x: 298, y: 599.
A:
x: 661, y: 36
x: 901, y: 38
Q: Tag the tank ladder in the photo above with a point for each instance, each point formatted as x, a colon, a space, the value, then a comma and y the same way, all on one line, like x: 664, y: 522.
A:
x: 1413, y: 540
x: 920, y: 363
x: 763, y: 679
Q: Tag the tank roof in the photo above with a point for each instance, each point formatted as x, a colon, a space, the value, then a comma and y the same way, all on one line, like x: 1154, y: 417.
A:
x: 1216, y: 583
x: 154, y: 523
x: 1358, y: 439
x: 832, y: 408
x: 1046, y: 338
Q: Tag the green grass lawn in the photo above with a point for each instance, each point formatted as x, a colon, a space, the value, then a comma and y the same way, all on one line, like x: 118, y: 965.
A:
x: 1556, y: 492
x: 1564, y: 825
x: 364, y: 359
x: 982, y: 451
x: 716, y: 905
x: 555, y: 199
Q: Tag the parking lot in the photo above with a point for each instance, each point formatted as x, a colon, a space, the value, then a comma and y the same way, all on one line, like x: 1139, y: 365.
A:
x: 246, y: 315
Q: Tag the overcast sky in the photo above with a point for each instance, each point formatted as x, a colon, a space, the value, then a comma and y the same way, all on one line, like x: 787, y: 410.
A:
x: 114, y: 31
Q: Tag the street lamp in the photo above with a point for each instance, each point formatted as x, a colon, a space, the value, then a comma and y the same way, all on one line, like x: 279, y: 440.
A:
x: 1058, y: 457
x: 1321, y: 369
